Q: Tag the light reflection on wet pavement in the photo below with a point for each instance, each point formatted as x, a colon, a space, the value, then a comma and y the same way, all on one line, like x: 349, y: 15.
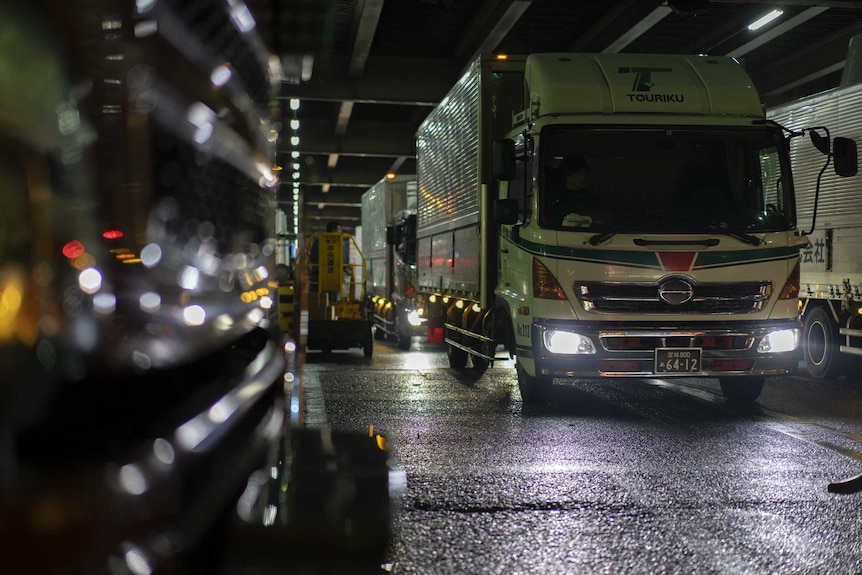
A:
x: 614, y: 476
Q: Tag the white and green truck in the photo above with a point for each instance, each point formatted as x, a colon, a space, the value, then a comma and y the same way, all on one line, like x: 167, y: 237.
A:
x: 686, y: 265
x: 831, y: 263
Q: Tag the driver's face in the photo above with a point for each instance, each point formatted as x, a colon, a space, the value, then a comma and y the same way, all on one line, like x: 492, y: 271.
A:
x: 576, y: 180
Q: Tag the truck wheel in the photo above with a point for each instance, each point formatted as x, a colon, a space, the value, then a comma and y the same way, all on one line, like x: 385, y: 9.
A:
x: 820, y: 345
x: 457, y: 357
x: 404, y: 337
x: 741, y: 389
x: 534, y: 389
x: 404, y: 341
x: 479, y: 364
x: 368, y: 345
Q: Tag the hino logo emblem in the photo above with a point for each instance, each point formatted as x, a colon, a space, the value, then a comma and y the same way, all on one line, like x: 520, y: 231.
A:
x: 675, y: 291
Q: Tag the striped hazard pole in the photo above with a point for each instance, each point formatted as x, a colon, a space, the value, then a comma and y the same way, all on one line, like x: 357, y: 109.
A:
x: 285, y: 308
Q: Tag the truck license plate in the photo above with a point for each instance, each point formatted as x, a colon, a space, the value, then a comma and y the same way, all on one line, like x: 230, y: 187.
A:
x: 677, y: 360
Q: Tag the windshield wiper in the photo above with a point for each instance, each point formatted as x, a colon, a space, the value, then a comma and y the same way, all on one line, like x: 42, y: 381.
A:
x: 741, y: 236
x: 602, y: 237
x: 605, y: 236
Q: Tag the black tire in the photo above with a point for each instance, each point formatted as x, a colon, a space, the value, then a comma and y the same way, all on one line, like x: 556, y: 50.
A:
x: 457, y: 357
x: 404, y: 341
x: 820, y: 341
x: 368, y: 346
x: 534, y: 389
x: 741, y: 389
x: 404, y: 338
x: 480, y: 365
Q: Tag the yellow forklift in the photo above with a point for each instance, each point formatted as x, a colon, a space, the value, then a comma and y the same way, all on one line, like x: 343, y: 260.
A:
x: 338, y: 317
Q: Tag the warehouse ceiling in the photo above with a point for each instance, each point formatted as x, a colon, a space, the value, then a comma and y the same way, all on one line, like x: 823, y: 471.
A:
x: 367, y: 72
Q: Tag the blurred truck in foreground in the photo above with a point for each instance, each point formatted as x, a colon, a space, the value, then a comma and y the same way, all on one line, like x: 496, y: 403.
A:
x: 389, y: 245
x: 687, y: 264
x: 150, y: 410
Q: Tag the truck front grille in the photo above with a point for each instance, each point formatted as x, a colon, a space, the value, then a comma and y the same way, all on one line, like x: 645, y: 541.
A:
x: 705, y: 298
x: 648, y: 342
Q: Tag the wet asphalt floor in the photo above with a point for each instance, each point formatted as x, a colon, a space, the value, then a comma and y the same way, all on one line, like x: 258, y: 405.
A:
x: 616, y: 476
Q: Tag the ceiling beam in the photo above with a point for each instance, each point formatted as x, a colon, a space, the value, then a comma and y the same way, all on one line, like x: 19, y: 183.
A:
x: 804, y: 65
x: 408, y: 81
x: 367, y: 17
x: 806, y: 3
x: 366, y: 26
x: 641, y: 27
x: 708, y: 43
x: 614, y: 23
x: 362, y: 178
x: 492, y: 23
x: 369, y: 139
x: 336, y: 196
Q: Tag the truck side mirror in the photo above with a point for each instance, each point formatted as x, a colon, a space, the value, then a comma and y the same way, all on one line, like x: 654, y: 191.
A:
x: 503, y: 159
x: 845, y: 156
x: 820, y: 142
x: 393, y: 237
x: 506, y: 212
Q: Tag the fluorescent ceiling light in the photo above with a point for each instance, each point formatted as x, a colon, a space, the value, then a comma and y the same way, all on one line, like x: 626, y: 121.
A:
x: 763, y: 21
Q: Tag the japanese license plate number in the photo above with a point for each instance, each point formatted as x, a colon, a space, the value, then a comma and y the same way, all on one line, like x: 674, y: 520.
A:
x: 677, y: 360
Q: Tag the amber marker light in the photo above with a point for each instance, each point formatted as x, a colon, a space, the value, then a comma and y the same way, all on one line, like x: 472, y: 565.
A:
x: 791, y: 286
x: 545, y: 285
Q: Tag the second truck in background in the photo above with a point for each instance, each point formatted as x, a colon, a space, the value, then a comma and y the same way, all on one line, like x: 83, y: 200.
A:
x: 831, y: 268
x: 389, y: 245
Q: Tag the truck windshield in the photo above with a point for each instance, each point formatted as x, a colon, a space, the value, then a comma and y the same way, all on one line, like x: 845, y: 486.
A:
x: 681, y: 180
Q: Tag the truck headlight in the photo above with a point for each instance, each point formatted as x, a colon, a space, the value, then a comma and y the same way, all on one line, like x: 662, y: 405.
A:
x: 567, y: 342
x: 414, y: 318
x: 780, y: 340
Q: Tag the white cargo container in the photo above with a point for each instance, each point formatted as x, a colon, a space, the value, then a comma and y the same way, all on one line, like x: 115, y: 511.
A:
x: 388, y: 242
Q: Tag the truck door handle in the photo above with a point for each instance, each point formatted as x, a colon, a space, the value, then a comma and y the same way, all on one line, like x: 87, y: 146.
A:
x: 504, y: 250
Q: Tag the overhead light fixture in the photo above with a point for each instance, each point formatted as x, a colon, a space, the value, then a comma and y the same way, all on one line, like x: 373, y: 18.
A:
x: 764, y: 20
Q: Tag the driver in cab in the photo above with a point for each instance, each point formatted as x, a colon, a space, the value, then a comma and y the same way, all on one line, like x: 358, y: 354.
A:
x: 572, y: 204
